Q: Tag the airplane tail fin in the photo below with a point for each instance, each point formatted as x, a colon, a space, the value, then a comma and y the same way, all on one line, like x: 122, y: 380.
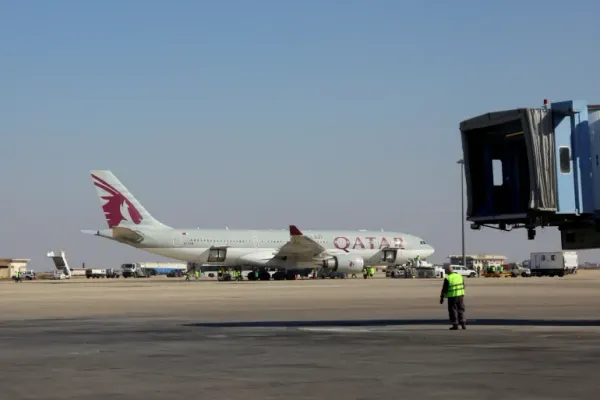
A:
x: 120, y: 208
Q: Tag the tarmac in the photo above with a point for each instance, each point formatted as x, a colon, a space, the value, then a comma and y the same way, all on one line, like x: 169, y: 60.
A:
x: 161, y: 338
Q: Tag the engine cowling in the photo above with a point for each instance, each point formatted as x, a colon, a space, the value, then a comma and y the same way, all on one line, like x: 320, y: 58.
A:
x: 344, y: 263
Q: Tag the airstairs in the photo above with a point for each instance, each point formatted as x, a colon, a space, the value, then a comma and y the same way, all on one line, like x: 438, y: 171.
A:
x: 60, y: 262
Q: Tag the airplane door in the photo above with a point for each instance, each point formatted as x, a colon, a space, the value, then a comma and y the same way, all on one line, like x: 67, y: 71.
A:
x: 177, y: 238
x: 392, y: 256
x: 255, y: 241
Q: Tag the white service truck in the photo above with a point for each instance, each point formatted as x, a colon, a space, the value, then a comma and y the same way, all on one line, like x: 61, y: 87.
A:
x: 556, y: 263
x: 148, y: 269
x: 101, y: 273
x: 135, y: 270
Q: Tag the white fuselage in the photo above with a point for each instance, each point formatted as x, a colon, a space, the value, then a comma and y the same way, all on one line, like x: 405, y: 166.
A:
x: 257, y: 247
x: 130, y: 223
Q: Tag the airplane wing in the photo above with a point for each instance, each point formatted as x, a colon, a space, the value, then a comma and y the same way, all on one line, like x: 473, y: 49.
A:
x: 299, y: 246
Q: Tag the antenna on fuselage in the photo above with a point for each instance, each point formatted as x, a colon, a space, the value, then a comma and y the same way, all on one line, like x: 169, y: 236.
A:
x: 226, y: 228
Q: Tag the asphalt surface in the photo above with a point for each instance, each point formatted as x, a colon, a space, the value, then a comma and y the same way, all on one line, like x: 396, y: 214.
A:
x: 300, y: 340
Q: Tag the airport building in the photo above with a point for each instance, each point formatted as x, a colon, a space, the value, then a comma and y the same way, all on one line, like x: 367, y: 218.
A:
x: 8, y: 266
x: 478, y: 260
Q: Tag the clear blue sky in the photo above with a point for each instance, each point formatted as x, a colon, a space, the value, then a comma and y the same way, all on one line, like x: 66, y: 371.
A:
x: 258, y: 114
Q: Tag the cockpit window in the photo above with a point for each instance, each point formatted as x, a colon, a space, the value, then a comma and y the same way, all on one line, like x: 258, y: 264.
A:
x: 423, y: 242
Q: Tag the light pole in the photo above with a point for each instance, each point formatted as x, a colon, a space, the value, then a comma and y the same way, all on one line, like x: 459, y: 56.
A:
x: 462, y: 209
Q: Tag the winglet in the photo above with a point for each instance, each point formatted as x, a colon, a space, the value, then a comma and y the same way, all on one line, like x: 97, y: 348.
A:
x: 294, y: 231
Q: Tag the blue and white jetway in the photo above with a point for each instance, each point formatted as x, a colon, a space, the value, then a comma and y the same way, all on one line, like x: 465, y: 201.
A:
x: 546, y: 162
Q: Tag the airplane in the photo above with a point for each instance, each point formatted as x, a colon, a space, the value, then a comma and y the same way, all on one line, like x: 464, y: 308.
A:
x: 288, y: 250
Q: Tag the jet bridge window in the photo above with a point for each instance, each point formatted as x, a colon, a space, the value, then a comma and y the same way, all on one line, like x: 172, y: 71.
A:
x: 564, y: 155
x: 497, y: 172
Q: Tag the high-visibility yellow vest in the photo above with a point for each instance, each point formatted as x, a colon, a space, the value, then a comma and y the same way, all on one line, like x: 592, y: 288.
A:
x: 456, y: 285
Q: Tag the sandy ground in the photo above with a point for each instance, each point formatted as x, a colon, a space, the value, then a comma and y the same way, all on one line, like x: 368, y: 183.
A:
x: 534, y: 338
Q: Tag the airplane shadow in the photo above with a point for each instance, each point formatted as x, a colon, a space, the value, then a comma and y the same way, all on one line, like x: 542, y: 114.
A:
x: 397, y: 322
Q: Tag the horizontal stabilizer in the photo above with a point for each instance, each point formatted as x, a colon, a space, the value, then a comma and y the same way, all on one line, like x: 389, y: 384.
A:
x: 117, y: 233
x: 127, y: 234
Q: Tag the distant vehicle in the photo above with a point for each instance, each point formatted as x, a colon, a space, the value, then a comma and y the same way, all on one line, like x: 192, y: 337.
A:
x: 176, y: 274
x: 58, y: 275
x: 148, y: 269
x: 440, y: 272
x: 520, y: 271
x: 430, y: 271
x: 95, y: 273
x: 112, y: 273
x: 258, y: 274
x: 101, y: 273
x: 464, y: 271
x: 324, y: 273
x: 400, y: 272
x: 28, y: 275
x: 557, y: 263
x: 24, y: 275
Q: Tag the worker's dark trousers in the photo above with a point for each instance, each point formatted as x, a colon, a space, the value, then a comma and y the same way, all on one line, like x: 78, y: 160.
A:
x: 456, y: 310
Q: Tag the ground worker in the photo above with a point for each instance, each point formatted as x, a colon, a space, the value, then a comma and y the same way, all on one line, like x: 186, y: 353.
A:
x: 371, y: 271
x: 187, y: 275
x: 17, y: 276
x: 454, y: 290
x: 197, y: 273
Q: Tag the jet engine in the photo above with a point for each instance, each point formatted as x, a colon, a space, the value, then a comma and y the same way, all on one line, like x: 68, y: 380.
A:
x: 344, y: 263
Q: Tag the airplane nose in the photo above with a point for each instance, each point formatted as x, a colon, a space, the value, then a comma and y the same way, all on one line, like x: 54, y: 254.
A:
x: 430, y: 250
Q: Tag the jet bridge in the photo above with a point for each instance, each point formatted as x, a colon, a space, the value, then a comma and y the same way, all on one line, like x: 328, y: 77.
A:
x: 536, y: 167
x: 60, y: 262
